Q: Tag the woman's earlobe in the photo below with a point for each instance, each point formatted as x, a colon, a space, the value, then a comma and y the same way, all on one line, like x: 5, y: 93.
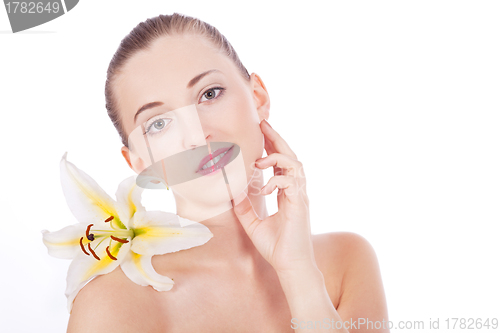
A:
x: 134, y: 161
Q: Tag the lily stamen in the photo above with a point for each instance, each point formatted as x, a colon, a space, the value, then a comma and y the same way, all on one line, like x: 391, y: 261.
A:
x: 100, y: 242
x: 119, y: 239
x: 110, y: 219
x: 100, y: 233
x: 109, y: 254
x: 88, y: 230
x: 83, y: 248
x: 93, y: 253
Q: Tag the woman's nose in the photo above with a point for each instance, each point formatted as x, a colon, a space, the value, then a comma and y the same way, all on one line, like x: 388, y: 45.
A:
x: 192, y: 131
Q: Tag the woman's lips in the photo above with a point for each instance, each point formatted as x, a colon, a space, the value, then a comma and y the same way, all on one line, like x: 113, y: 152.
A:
x: 221, y: 163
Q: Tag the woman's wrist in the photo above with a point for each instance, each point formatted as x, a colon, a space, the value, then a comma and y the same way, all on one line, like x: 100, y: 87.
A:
x: 308, y: 298
x: 306, y: 275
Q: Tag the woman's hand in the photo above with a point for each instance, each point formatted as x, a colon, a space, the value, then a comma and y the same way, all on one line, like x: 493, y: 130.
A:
x: 283, y: 239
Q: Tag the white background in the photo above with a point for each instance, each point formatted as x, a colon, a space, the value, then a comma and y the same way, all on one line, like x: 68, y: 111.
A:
x: 392, y: 106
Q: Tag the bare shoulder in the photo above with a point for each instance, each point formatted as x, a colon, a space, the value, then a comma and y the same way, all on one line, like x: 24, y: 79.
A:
x: 332, y: 251
x: 350, y: 258
x: 337, y: 250
x: 112, y: 303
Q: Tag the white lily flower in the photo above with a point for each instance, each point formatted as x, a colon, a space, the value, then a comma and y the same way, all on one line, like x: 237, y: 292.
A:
x: 116, y: 233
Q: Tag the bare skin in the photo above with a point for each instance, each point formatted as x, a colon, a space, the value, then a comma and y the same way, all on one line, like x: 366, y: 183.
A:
x: 236, y: 300
x: 236, y: 282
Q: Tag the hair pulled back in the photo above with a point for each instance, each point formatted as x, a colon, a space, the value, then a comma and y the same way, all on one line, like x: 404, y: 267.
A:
x: 143, y: 35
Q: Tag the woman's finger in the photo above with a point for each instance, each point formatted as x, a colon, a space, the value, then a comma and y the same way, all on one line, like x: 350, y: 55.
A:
x: 287, y: 184
x: 247, y: 215
x: 291, y: 166
x: 270, y: 150
x: 269, y: 146
x: 278, y: 144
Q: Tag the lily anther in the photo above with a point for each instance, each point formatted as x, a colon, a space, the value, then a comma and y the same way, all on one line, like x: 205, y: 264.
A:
x: 104, y: 234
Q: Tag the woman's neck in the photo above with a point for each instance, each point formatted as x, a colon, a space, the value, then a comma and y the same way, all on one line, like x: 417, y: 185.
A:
x: 230, y: 246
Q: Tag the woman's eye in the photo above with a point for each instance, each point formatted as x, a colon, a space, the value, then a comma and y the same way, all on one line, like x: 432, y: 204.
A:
x: 210, y: 94
x: 157, y: 126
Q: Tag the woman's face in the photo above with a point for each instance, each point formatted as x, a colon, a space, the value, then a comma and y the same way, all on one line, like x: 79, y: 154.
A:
x: 191, y: 115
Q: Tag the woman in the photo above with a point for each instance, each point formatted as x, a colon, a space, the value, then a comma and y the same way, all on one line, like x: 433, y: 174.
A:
x: 178, y: 84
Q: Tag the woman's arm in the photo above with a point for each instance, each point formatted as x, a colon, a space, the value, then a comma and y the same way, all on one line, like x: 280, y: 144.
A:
x: 307, y: 296
x: 362, y: 306
x: 284, y: 239
x: 362, y: 301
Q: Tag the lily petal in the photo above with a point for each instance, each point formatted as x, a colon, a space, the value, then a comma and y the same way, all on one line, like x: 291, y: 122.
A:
x: 65, y: 243
x: 85, y: 198
x: 159, y: 232
x: 139, y: 269
x: 83, y: 268
x: 128, y: 196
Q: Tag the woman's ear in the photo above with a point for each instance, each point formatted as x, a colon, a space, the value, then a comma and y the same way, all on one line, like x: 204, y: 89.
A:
x: 136, y: 163
x: 133, y: 161
x: 261, y: 96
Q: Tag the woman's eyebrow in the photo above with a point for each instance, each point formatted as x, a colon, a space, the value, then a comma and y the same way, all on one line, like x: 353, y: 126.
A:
x: 199, y: 77
x: 189, y: 85
x: 145, y: 107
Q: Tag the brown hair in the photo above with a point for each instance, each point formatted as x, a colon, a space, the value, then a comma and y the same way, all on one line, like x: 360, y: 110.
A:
x: 143, y: 35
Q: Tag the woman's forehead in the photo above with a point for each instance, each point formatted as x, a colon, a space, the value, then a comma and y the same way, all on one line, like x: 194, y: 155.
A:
x: 175, y: 55
x: 164, y: 71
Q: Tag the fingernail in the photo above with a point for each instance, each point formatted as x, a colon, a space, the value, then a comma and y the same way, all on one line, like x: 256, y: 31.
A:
x: 268, y: 123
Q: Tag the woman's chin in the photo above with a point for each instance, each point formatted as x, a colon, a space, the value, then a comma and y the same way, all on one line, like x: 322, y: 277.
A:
x: 203, y: 191
x: 215, y: 190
